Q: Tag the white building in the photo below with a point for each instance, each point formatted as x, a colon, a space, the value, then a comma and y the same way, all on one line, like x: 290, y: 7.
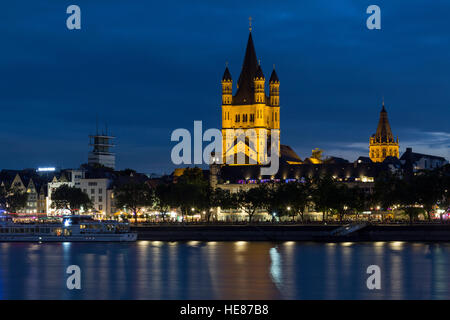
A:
x: 73, y: 180
x: 420, y: 161
x: 97, y: 190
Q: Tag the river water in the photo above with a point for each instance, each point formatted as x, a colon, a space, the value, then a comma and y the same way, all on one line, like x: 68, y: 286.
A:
x: 225, y: 270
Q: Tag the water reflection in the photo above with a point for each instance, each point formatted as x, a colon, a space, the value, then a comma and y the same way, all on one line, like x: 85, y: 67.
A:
x: 275, y: 267
x: 225, y: 270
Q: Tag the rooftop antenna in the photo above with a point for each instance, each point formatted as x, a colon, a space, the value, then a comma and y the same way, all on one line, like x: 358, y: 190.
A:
x: 250, y: 24
x: 96, y: 123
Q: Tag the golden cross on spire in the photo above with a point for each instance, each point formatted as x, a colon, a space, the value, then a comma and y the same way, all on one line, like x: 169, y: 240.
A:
x: 250, y: 23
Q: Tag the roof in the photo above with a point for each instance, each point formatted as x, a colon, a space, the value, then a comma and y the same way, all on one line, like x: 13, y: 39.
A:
x: 414, y: 156
x: 227, y: 75
x: 392, y: 160
x: 345, y: 171
x: 335, y: 160
x: 384, y: 132
x: 274, y: 77
x: 245, y: 91
x: 288, y: 154
x: 259, y: 73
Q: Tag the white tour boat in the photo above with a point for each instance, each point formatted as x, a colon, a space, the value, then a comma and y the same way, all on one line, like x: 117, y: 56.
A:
x: 71, y: 229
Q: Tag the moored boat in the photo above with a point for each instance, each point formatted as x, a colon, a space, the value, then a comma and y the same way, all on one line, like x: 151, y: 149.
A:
x: 68, y: 229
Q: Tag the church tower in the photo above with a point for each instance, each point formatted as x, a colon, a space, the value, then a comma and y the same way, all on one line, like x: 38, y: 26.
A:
x: 249, y: 115
x: 382, y: 143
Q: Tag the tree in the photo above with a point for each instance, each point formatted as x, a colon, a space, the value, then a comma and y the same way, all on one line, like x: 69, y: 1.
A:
x: 430, y: 190
x: 273, y: 202
x: 71, y: 198
x: 358, y: 200
x: 252, y: 200
x: 325, y: 195
x: 134, y: 196
x: 445, y: 201
x: 385, y: 192
x: 190, y: 192
x: 15, y: 199
x: 219, y: 198
x: 163, y: 199
x: 295, y: 197
x: 406, y: 193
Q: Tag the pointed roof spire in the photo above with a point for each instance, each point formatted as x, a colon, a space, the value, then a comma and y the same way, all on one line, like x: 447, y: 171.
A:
x: 250, y: 24
x: 384, y: 132
x: 244, y: 94
x: 259, y: 73
x: 274, y: 76
x: 226, y: 74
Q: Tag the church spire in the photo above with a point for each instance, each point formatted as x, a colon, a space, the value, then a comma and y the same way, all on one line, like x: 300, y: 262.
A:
x: 227, y: 87
x: 384, y: 132
x: 226, y: 74
x: 382, y: 143
x: 245, y: 92
x: 274, y: 76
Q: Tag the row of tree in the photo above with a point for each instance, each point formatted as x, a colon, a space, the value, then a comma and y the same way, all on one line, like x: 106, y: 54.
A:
x: 13, y: 199
x: 192, y: 194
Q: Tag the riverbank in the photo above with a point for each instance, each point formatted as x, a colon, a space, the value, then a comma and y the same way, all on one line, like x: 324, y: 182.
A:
x: 320, y: 233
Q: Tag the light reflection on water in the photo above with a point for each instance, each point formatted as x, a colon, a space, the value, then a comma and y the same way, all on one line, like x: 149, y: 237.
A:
x: 225, y: 270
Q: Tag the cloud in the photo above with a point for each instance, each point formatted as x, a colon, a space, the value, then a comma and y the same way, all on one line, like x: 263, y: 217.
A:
x: 435, y: 143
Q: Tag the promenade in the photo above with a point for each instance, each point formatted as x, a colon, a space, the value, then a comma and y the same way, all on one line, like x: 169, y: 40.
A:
x: 294, y: 232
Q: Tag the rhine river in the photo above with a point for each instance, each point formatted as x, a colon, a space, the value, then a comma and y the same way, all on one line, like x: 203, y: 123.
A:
x: 225, y: 270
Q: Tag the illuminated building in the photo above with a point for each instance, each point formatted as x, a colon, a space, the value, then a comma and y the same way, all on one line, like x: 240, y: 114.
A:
x: 414, y: 161
x: 382, y: 143
x: 249, y: 111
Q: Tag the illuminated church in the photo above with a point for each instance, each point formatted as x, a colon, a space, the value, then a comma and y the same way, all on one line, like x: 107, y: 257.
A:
x: 249, y: 115
x: 382, y: 143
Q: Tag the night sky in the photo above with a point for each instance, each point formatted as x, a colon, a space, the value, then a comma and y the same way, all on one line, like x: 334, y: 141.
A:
x: 149, y: 67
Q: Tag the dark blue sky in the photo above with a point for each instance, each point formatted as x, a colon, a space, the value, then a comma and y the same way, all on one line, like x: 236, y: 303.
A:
x: 149, y: 67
